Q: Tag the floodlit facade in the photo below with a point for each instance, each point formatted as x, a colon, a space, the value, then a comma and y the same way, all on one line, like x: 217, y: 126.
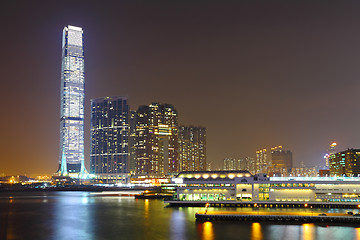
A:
x: 72, y: 102
x: 192, y: 148
x: 109, y: 152
x: 241, y: 186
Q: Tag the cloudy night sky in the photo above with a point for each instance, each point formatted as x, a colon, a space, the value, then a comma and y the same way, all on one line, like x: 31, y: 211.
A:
x: 255, y: 73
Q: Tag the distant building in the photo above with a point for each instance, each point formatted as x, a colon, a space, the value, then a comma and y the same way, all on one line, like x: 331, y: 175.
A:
x: 230, y: 164
x: 156, y: 140
x: 132, y: 143
x: 345, y: 163
x: 192, y: 148
x: 331, y: 150
x: 109, y: 152
x: 281, y: 159
x: 304, y: 172
x: 249, y: 164
x: 263, y: 161
x: 208, y: 166
x: 324, y: 172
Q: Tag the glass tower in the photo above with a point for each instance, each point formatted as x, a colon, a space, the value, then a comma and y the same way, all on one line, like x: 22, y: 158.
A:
x: 72, y: 102
x: 109, y: 135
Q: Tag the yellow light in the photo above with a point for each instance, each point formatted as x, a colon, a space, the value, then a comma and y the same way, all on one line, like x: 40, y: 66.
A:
x: 308, y: 231
x: 208, y: 231
x: 256, y: 233
x: 231, y: 176
x: 214, y: 176
x: 206, y: 176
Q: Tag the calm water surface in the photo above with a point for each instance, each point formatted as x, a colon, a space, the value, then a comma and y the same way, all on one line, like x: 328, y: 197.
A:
x: 80, y: 215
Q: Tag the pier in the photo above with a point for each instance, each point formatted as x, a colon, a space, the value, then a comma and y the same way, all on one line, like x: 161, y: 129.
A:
x: 267, y: 204
x: 277, y: 218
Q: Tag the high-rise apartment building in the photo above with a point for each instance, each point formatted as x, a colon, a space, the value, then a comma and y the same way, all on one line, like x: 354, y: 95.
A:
x: 263, y: 161
x: 109, y: 135
x: 192, y: 148
x: 250, y: 164
x: 156, y: 140
x: 345, y: 163
x: 132, y: 143
x: 281, y: 159
x: 230, y: 164
x: 72, y: 102
x: 246, y: 163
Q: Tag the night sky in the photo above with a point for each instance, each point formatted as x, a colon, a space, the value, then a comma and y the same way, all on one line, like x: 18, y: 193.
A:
x: 255, y: 73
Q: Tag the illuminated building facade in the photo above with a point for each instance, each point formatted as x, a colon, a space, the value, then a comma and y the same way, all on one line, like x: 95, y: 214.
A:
x: 132, y: 143
x: 281, y: 159
x: 241, y: 186
x: 250, y: 165
x: 239, y: 164
x: 109, y: 135
x: 192, y: 148
x: 332, y: 150
x: 345, y: 163
x: 230, y: 164
x: 263, y: 161
x: 156, y: 140
x: 72, y: 103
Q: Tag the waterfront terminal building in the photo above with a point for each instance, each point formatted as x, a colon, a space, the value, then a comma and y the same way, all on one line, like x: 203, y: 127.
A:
x: 241, y: 186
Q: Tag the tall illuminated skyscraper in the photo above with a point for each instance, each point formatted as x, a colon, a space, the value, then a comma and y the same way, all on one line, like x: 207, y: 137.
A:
x: 109, y: 135
x: 72, y: 102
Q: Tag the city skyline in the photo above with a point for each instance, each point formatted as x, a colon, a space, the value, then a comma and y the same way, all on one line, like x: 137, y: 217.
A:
x: 255, y: 75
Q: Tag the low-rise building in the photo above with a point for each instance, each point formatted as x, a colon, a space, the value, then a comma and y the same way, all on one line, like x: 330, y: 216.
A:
x: 242, y: 186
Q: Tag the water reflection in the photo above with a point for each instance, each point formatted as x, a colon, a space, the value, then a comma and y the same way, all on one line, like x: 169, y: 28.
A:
x: 77, y: 215
x: 256, y: 233
x: 357, y: 233
x: 73, y: 218
x: 178, y: 225
x: 146, y: 208
x: 308, y: 231
x: 205, y: 231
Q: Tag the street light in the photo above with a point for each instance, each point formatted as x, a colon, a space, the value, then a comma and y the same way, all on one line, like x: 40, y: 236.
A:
x: 207, y: 205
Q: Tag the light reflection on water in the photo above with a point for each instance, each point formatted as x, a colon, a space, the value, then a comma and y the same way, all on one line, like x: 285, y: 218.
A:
x: 256, y: 233
x: 79, y: 215
x: 73, y: 217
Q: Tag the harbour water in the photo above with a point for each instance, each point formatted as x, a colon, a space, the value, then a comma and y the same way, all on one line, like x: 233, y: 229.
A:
x: 82, y: 215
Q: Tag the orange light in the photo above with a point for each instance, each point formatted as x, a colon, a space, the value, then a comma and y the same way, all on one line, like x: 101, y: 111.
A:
x: 305, y: 205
